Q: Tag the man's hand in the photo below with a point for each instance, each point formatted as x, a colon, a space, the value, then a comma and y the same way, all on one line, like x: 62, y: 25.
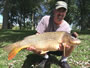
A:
x: 34, y: 50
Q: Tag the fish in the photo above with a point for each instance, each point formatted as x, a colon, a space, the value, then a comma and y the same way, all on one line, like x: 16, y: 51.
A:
x: 45, y: 42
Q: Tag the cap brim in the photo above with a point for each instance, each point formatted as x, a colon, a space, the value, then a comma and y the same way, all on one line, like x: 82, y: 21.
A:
x: 61, y: 7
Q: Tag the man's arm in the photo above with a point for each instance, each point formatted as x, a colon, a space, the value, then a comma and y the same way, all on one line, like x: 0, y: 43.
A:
x: 34, y: 50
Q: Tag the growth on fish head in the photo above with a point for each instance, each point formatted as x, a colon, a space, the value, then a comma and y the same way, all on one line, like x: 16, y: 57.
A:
x: 70, y: 40
x: 75, y: 41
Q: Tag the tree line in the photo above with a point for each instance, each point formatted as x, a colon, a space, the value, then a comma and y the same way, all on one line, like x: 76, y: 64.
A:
x: 27, y: 13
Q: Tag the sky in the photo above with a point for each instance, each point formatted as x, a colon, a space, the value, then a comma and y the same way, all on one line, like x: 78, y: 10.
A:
x: 1, y: 18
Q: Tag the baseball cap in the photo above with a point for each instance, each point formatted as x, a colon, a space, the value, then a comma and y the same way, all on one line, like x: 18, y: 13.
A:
x: 61, y: 4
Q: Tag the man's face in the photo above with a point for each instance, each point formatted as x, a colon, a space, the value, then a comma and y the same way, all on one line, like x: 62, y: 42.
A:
x: 59, y: 15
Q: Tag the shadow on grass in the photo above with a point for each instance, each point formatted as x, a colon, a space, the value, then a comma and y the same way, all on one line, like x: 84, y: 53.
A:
x: 14, y: 35
x: 11, y: 36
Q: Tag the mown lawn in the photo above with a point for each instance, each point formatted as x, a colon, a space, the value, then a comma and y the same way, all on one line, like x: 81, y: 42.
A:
x: 80, y: 58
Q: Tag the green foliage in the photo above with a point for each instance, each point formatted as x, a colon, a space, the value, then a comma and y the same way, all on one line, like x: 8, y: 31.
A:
x: 15, y: 28
x: 78, y: 12
x: 80, y: 58
x: 17, y: 11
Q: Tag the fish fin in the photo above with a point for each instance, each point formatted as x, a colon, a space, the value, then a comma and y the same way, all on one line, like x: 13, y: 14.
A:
x: 64, y: 45
x: 64, y: 50
x: 13, y: 53
x: 43, y: 52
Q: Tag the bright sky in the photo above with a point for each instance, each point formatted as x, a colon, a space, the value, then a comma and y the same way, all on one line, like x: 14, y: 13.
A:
x: 1, y: 18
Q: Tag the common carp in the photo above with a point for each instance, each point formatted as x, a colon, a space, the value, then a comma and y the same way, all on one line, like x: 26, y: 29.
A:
x: 45, y: 42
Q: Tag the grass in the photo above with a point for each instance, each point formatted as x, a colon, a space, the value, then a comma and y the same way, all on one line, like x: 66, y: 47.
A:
x: 80, y: 58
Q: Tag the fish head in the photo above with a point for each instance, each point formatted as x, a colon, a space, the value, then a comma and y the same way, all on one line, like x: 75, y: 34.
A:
x: 70, y: 40
x: 75, y: 41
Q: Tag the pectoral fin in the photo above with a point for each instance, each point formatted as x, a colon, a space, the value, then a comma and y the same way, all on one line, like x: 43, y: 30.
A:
x: 64, y: 45
x: 43, y: 52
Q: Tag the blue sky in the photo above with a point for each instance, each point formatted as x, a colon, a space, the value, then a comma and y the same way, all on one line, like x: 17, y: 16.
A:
x: 1, y: 18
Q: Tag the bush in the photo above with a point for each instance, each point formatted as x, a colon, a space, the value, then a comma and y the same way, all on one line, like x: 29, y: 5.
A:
x: 15, y: 28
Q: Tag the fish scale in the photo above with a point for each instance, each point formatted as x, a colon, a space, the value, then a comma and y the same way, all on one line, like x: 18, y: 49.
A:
x: 48, y: 41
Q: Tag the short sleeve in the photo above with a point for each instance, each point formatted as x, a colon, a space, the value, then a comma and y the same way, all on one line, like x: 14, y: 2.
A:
x: 68, y: 29
x: 41, y: 26
x: 64, y: 27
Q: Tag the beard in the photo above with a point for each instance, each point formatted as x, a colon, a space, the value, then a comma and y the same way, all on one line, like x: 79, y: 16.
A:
x: 60, y: 17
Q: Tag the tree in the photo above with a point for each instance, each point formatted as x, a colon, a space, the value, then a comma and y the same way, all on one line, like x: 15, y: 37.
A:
x: 5, y: 14
x: 84, y: 14
x: 16, y: 11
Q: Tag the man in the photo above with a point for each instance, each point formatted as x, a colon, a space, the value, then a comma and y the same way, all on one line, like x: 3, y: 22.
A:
x: 53, y: 23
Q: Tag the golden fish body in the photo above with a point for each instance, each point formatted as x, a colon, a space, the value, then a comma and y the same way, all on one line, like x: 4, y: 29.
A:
x: 48, y: 41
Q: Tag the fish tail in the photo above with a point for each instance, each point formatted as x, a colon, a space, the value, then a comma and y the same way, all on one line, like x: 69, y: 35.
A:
x: 13, y: 53
x: 14, y: 48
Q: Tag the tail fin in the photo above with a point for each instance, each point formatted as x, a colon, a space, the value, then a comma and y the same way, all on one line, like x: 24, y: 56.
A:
x: 13, y: 53
x: 14, y: 49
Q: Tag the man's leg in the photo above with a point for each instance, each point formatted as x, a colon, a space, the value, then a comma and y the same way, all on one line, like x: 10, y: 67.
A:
x: 63, y: 61
x: 43, y: 62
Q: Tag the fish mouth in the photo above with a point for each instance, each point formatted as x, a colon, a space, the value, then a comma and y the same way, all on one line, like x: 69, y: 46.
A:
x: 75, y: 41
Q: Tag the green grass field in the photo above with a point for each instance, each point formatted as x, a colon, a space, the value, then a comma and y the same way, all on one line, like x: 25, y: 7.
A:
x: 80, y: 58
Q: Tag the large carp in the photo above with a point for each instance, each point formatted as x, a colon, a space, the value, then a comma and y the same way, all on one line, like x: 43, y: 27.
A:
x: 48, y: 41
